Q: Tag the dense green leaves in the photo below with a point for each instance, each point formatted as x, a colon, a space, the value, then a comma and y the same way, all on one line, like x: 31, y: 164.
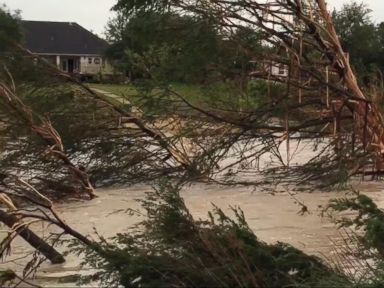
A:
x: 182, y: 48
x: 361, y: 38
x: 10, y: 30
x: 369, y: 217
x: 165, y: 46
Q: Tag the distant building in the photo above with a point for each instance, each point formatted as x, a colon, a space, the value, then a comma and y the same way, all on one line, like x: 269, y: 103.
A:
x: 70, y: 47
x: 276, y: 69
x: 268, y: 68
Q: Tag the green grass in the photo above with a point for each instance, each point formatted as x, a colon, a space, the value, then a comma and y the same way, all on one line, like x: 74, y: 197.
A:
x: 190, y: 92
x: 150, y: 103
x: 218, y: 96
x: 118, y: 89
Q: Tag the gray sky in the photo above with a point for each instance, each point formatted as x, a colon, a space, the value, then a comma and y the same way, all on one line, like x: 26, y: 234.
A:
x: 91, y: 14
x: 94, y: 14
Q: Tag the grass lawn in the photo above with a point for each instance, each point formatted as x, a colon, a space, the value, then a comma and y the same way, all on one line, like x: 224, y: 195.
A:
x: 190, y: 92
x: 217, y: 96
x: 118, y: 89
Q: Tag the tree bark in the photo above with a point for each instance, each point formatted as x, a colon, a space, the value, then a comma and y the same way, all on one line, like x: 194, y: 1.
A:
x: 34, y: 240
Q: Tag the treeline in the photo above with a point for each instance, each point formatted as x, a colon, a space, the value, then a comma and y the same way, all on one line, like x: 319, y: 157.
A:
x: 10, y: 28
x: 180, y: 48
x: 191, y: 49
x: 362, y: 38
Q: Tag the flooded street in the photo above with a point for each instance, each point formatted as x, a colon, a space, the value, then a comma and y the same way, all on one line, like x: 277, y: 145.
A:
x: 272, y: 217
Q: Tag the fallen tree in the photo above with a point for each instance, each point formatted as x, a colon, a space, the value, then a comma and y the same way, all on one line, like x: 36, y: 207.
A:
x: 44, y: 129
x: 320, y: 98
x: 19, y: 228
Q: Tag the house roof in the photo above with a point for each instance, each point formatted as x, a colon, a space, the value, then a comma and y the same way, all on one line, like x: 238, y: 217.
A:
x: 42, y: 37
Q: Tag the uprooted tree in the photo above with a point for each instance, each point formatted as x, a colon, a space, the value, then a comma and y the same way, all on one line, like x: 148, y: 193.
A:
x: 320, y: 98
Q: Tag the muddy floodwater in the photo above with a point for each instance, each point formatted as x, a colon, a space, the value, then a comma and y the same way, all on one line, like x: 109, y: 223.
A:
x: 272, y: 217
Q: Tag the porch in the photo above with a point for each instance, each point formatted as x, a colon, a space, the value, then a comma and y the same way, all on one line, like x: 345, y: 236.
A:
x: 69, y: 64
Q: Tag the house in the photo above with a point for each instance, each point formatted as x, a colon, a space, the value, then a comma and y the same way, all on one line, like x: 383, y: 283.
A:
x: 70, y: 47
x: 276, y: 69
x: 269, y: 69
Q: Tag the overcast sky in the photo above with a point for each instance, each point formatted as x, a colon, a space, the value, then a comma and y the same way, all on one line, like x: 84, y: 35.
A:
x: 94, y: 14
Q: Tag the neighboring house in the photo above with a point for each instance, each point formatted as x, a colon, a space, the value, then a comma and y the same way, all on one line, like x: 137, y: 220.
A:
x: 70, y: 47
x: 276, y: 69
x: 268, y: 68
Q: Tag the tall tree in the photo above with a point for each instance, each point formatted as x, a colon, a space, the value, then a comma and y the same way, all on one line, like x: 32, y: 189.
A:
x: 185, y: 45
x: 10, y: 28
x: 302, y: 40
x: 359, y: 37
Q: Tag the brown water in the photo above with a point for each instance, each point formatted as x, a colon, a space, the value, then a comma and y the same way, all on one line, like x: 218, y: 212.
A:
x: 272, y: 217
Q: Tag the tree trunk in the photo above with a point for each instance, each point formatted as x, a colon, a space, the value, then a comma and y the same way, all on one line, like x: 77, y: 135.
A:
x: 34, y: 240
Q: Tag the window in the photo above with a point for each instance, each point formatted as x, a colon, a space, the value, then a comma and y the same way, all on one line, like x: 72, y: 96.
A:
x: 281, y: 69
x: 89, y: 60
x: 97, y: 61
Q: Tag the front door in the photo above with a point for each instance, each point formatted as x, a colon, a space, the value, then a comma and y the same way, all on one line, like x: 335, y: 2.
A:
x: 71, y: 65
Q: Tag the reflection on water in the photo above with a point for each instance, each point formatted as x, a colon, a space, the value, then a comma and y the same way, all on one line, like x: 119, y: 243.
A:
x: 272, y: 217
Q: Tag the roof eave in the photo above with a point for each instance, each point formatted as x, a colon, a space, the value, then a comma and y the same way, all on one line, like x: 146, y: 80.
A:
x: 67, y: 54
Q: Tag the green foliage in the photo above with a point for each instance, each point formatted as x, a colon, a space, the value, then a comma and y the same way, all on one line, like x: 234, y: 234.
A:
x: 361, y: 213
x: 215, y: 96
x: 262, y: 92
x: 369, y: 218
x: 6, y: 276
x: 171, y: 47
x: 165, y: 46
x: 91, y: 131
x: 360, y: 37
x: 171, y: 248
x: 10, y: 30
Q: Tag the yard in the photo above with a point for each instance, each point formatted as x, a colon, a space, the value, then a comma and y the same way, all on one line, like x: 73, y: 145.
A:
x: 225, y: 96
x: 190, y: 92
